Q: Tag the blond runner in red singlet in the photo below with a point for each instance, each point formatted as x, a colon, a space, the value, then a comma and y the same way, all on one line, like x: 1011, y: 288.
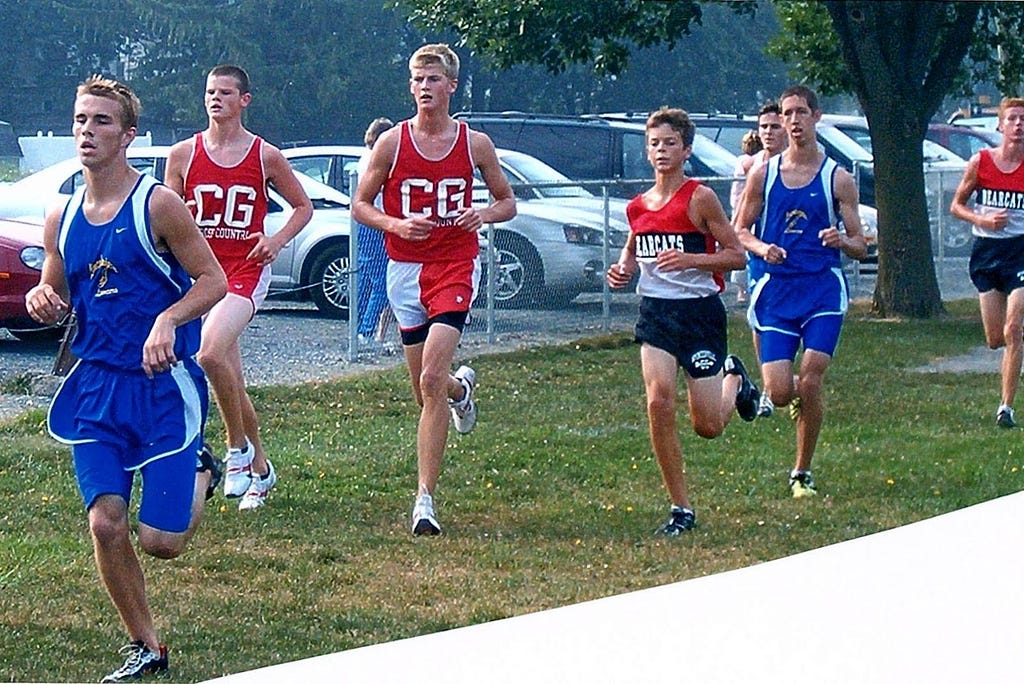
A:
x: 995, y: 179
x: 425, y: 168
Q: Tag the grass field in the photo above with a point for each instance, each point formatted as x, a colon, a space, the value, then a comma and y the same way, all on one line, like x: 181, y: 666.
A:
x: 551, y: 501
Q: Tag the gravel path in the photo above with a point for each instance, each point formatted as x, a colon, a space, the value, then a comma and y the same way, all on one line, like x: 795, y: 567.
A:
x: 290, y: 343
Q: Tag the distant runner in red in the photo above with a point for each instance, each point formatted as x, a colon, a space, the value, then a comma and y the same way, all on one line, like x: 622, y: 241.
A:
x: 996, y: 180
x: 223, y: 173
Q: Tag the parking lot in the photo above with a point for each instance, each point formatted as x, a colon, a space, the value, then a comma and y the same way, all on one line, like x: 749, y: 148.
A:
x: 290, y: 342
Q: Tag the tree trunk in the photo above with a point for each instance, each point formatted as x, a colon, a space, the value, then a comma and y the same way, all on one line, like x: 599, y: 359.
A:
x: 906, y: 284
x: 902, y: 58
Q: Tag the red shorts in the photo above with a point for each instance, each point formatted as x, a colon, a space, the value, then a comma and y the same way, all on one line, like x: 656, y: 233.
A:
x: 246, y: 278
x: 418, y: 292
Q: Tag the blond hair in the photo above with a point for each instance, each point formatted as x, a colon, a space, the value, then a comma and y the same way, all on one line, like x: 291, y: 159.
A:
x: 436, y: 54
x: 125, y: 97
x: 751, y: 143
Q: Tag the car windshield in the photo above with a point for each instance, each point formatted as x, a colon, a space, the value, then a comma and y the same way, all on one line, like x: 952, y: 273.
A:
x: 532, y: 170
x: 847, y: 147
x: 932, y: 151
x: 714, y: 156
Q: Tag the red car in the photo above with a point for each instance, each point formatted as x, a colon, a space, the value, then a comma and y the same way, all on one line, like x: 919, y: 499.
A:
x: 21, y: 260
x: 964, y: 141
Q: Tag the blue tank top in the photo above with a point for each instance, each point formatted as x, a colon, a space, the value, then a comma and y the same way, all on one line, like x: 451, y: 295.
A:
x: 119, y: 283
x: 792, y: 218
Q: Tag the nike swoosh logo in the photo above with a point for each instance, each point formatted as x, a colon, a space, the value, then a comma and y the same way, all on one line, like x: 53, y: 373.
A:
x: 120, y: 230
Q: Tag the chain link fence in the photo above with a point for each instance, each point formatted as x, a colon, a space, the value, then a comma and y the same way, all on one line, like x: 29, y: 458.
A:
x: 543, y: 272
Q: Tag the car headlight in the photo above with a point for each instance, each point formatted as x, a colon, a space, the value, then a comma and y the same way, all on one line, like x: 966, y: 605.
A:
x: 33, y: 257
x: 576, y: 234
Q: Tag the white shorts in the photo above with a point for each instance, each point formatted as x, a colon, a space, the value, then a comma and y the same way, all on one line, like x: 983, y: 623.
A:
x: 418, y: 292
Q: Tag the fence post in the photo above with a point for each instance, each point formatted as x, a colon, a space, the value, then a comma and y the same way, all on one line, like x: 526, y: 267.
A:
x: 489, y: 285
x: 606, y: 293
x: 941, y: 228
x: 353, y: 274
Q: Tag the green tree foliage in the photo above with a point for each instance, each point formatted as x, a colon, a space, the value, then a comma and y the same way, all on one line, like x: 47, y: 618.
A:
x: 708, y: 71
x: 900, y: 59
x: 555, y: 33
x: 321, y: 69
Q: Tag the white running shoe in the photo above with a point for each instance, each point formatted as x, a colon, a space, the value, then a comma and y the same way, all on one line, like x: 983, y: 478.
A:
x: 259, y: 489
x: 238, y: 470
x: 765, y: 407
x: 464, y: 410
x: 423, y: 520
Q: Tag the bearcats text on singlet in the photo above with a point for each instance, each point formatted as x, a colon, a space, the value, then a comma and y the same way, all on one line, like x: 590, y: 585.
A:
x: 670, y: 227
x: 998, y: 190
x: 229, y: 203
x: 435, y: 189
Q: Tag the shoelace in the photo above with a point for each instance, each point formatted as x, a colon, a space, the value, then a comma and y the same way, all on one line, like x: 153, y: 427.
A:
x: 136, y: 658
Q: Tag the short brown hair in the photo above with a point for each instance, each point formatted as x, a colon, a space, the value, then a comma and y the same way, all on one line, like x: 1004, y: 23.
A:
x: 439, y: 54
x: 769, y: 107
x: 101, y: 86
x: 234, y: 71
x: 677, y: 119
x: 376, y: 127
x: 803, y: 91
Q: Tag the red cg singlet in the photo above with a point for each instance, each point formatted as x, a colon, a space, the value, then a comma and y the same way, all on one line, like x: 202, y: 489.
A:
x: 436, y: 189
x: 229, y: 203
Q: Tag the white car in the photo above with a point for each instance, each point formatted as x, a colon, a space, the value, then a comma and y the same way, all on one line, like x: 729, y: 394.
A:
x: 315, y: 262
x: 943, y: 170
x: 548, y: 254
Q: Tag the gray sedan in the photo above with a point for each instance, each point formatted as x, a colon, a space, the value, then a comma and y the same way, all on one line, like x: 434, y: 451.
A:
x: 547, y: 255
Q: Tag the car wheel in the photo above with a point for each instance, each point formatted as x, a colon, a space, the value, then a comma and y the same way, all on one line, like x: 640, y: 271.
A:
x: 329, y: 278
x: 520, y: 276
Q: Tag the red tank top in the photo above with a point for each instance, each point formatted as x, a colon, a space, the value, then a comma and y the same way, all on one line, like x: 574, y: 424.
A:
x: 436, y: 189
x: 229, y: 203
x: 670, y: 227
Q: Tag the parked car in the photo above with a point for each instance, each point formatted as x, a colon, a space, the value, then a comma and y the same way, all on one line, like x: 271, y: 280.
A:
x: 331, y: 165
x: 964, y: 141
x: 943, y: 170
x: 549, y: 253
x: 596, y: 148
x: 21, y: 260
x: 987, y: 121
x: 315, y: 262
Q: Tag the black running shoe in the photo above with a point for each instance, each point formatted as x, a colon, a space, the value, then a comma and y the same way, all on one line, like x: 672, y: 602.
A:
x: 681, y: 520
x: 139, y: 661
x: 207, y: 461
x: 747, y: 396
